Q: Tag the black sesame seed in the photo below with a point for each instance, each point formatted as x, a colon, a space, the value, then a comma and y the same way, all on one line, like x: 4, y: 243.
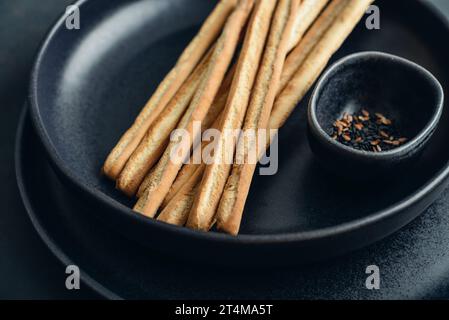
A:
x: 362, y: 132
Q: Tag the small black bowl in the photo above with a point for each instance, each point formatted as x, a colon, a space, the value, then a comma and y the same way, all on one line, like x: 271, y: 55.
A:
x: 379, y: 83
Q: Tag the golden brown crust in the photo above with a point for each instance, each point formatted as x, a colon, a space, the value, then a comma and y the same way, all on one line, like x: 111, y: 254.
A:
x: 296, y: 58
x: 225, y: 48
x: 156, y: 139
x: 301, y: 82
x: 177, y: 210
x: 230, y: 209
x: 214, y: 179
x: 316, y: 61
x: 276, y: 119
x: 168, y: 88
x: 188, y: 169
x: 308, y: 12
x: 195, y: 201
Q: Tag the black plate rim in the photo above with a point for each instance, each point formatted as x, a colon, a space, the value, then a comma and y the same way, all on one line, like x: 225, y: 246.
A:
x: 259, y: 239
x: 40, y: 229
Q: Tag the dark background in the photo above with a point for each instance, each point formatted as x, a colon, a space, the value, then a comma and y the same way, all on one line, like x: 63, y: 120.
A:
x: 27, y: 268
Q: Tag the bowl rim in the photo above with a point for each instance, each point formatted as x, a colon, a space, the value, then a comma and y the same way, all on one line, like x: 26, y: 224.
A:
x: 365, y: 56
x: 247, y: 239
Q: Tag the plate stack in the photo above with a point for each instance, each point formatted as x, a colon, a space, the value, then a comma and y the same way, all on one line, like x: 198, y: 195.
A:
x: 86, y: 88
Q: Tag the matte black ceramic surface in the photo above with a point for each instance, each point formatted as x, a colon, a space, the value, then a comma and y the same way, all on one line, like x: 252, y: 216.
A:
x: 414, y: 262
x: 89, y: 84
x: 382, y: 83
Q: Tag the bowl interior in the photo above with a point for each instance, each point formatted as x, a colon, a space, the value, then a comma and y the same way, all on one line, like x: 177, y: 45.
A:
x: 91, y: 83
x: 378, y: 83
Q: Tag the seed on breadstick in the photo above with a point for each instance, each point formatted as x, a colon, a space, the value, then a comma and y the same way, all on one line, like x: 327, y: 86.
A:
x: 188, y: 169
x: 308, y: 11
x: 211, y: 118
x: 296, y: 58
x: 280, y: 112
x: 166, y: 171
x: 215, y: 174
x: 220, y: 100
x: 233, y: 200
x: 317, y: 60
x: 177, y: 211
x: 156, y: 139
x: 182, y: 204
x: 317, y: 30
x: 257, y: 117
x: 207, y: 199
x: 168, y: 88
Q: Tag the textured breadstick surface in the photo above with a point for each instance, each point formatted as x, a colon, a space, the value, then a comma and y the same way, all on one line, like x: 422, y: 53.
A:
x: 168, y: 87
x: 220, y: 100
x: 230, y: 209
x: 188, y: 169
x: 300, y: 83
x: 225, y: 48
x: 183, y: 176
x: 177, y: 211
x: 282, y: 111
x: 308, y: 11
x: 181, y: 186
x: 317, y: 60
x: 214, y: 179
x: 296, y: 58
x: 155, y: 140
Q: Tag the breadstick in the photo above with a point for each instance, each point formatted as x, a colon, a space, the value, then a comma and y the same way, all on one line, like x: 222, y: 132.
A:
x: 317, y: 60
x: 167, y: 170
x: 177, y: 211
x: 152, y: 145
x: 231, y: 206
x: 296, y: 58
x: 181, y: 203
x: 308, y: 11
x: 188, y: 169
x: 220, y: 100
x: 207, y: 199
x: 184, y: 175
x: 280, y: 112
x: 168, y: 87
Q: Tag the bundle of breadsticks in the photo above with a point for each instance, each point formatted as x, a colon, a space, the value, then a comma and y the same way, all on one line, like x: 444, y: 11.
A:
x: 248, y: 67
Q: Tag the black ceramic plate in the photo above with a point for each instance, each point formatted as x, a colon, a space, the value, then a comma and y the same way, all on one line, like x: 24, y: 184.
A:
x: 89, y: 84
x: 414, y: 262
